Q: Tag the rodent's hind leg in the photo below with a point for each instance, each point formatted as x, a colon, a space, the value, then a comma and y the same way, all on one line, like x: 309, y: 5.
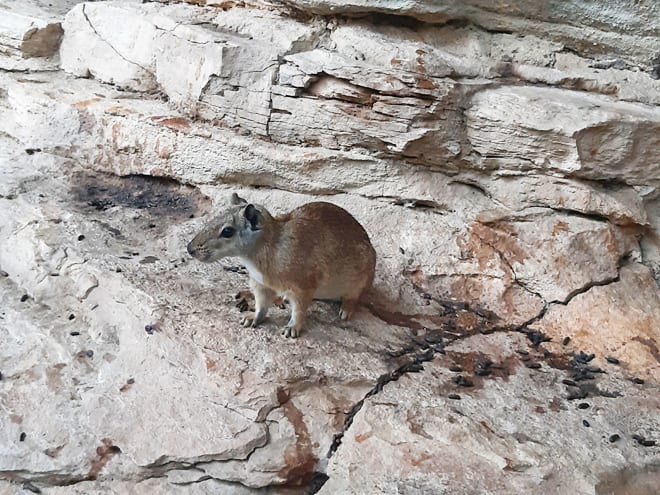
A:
x: 348, y: 307
x: 299, y: 305
x: 263, y: 297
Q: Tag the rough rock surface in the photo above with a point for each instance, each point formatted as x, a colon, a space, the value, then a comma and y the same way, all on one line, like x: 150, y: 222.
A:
x: 503, y: 161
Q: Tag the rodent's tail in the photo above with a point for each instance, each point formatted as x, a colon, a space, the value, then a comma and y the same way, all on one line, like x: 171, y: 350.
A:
x: 386, y: 310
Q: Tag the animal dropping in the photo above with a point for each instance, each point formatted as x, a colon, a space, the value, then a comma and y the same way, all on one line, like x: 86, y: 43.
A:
x: 317, y: 251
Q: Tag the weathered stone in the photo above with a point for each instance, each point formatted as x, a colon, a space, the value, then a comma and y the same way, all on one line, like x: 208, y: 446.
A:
x: 30, y: 34
x: 629, y: 28
x: 507, y: 181
x: 619, y: 319
x: 412, y: 438
x: 570, y: 133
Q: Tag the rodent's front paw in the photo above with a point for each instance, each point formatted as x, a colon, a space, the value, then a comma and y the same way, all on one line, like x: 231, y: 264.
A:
x: 291, y: 332
x: 250, y: 319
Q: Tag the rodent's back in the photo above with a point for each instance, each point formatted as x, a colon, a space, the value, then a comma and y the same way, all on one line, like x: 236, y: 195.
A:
x: 325, y: 241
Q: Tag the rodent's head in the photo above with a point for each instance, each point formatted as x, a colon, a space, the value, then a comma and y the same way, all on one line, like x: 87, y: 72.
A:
x: 234, y: 232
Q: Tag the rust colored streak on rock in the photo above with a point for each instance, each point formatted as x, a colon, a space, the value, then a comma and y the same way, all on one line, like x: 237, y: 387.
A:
x: 299, y: 458
x: 85, y: 103
x: 364, y: 436
x: 424, y: 82
x: 501, y: 236
x: 174, y: 123
x: 559, y: 227
x: 650, y: 344
x: 104, y: 453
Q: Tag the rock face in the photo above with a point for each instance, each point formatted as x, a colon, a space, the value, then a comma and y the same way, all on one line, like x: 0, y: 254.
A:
x: 503, y: 161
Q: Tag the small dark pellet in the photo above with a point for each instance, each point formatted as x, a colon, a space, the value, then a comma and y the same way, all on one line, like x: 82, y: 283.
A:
x: 454, y: 397
x: 89, y: 353
x: 433, y: 339
x: 149, y: 329
x: 74, y: 333
x: 27, y: 485
x: 586, y: 423
x: 565, y: 341
x: 3, y: 273
x: 22, y: 436
x: 455, y: 369
x: 638, y: 381
x: 24, y: 297
x: 612, y: 360
x: 614, y: 438
x: 0, y: 375
x: 81, y: 237
x: 522, y: 352
x: 570, y: 383
x: 461, y: 381
x: 72, y: 316
x: 647, y: 443
x: 577, y: 394
x: 533, y: 366
x: 118, y: 270
x: 583, y: 405
x: 638, y: 438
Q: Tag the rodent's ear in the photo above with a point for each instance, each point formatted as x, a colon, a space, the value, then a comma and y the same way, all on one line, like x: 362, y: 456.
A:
x: 235, y: 199
x: 253, y: 216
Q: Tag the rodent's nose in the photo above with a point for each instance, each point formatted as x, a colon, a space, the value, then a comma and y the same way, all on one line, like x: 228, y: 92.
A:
x: 191, y: 249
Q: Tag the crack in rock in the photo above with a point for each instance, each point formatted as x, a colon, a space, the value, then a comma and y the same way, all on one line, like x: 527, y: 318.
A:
x: 91, y: 25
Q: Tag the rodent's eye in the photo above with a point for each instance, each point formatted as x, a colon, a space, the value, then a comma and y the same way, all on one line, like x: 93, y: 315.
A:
x: 227, y: 232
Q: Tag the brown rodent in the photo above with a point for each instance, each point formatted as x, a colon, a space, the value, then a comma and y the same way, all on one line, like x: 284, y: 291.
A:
x: 317, y: 251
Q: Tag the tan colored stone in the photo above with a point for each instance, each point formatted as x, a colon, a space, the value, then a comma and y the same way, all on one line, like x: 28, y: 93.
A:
x: 412, y: 438
x: 620, y: 319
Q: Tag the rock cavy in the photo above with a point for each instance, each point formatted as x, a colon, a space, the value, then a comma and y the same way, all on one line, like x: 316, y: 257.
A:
x: 317, y: 251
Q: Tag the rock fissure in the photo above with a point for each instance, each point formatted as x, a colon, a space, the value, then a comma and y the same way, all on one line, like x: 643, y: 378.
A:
x: 414, y: 365
x: 91, y: 25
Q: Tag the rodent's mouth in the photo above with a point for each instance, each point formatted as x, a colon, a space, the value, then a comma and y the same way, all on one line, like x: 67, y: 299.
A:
x: 198, y: 253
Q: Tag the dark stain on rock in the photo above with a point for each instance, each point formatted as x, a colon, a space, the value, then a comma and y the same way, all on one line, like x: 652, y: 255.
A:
x: 156, y: 196
x: 299, y: 459
x: 104, y: 453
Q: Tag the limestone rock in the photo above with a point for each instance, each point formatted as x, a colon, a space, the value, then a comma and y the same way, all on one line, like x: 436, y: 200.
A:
x: 590, y: 134
x: 504, y: 166
x: 417, y: 439
x: 30, y: 34
x: 629, y: 28
x: 624, y: 320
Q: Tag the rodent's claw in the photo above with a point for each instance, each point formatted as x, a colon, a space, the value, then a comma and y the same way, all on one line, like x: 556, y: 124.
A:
x: 291, y: 332
x: 249, y: 320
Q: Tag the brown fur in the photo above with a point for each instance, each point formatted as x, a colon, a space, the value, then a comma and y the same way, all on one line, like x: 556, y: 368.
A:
x: 317, y: 251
